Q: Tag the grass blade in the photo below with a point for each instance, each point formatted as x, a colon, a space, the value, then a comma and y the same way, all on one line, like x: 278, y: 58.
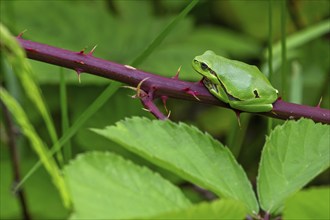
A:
x: 302, y: 37
x: 67, y: 151
x: 36, y: 142
x: 23, y: 71
x: 159, y: 39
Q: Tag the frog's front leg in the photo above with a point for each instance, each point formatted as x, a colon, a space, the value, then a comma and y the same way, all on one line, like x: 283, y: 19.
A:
x: 218, y: 92
x: 251, y: 106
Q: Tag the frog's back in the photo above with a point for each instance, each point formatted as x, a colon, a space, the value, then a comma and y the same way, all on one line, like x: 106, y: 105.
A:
x: 241, y: 79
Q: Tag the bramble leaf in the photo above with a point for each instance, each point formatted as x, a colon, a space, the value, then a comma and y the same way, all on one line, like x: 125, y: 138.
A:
x: 187, y: 152
x: 106, y: 186
x: 293, y: 155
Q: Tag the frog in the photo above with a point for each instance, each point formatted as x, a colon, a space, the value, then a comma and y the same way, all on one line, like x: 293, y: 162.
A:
x: 244, y: 87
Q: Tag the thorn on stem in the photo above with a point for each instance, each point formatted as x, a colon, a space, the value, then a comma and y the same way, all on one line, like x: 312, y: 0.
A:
x: 78, y: 71
x: 319, y: 104
x: 21, y: 34
x: 129, y: 87
x: 168, y: 115
x: 190, y: 92
x: 147, y: 110
x: 164, y: 99
x: 238, y: 114
x: 138, y: 88
x: 130, y: 67
x: 92, y: 51
x: 177, y: 74
x: 273, y: 112
x: 82, y: 51
x: 139, y: 92
x: 80, y: 62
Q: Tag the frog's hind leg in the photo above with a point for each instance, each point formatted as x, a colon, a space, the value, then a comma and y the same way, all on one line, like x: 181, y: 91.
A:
x: 247, y: 106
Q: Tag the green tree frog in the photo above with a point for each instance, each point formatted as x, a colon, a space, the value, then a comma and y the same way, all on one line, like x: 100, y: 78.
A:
x: 240, y: 85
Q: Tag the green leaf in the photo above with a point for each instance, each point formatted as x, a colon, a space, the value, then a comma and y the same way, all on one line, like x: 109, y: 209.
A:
x: 40, y: 148
x: 106, y: 186
x: 308, y: 204
x: 219, y: 209
x: 187, y: 152
x: 293, y: 155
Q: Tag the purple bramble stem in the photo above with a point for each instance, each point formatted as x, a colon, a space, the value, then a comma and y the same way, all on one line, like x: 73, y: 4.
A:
x: 148, y: 103
x: 159, y: 85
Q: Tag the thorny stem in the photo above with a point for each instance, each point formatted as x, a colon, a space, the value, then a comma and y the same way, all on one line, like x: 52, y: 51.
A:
x: 161, y: 86
x: 147, y: 101
x: 152, y: 108
x: 266, y: 216
x: 15, y: 161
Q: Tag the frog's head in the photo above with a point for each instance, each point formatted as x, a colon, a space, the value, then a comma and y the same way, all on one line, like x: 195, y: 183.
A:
x: 202, y: 65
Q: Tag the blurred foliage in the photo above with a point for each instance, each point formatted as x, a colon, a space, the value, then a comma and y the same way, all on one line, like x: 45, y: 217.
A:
x: 122, y: 29
x: 316, y: 199
x: 38, y: 188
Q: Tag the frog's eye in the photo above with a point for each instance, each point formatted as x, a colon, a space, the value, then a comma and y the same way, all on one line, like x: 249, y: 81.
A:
x: 204, y: 66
